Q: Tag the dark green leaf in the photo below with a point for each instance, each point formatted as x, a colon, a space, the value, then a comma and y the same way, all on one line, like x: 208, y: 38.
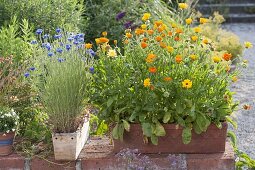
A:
x: 167, y: 117
x: 147, y: 131
x: 115, y: 133
x: 154, y: 140
x: 121, y: 131
x: 159, y: 130
x: 109, y: 102
x: 186, y: 135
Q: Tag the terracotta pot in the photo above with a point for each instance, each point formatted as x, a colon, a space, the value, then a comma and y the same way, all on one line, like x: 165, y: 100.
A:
x: 67, y: 146
x: 211, y: 141
x: 6, y: 142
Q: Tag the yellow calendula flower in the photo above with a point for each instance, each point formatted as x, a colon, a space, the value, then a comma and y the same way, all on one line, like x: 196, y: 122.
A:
x: 88, y: 45
x: 194, y: 38
x: 187, y: 84
x: 188, y: 21
x: 129, y: 35
x: 183, y: 5
x: 197, y: 29
x: 234, y: 78
x: 248, y: 44
x: 150, y: 58
x: 112, y: 53
x: 216, y: 59
x: 203, y: 20
x: 174, y: 25
x: 143, y: 26
x: 169, y: 49
x: 104, y: 33
x: 147, y: 82
x: 205, y: 41
x: 146, y: 16
x: 193, y: 57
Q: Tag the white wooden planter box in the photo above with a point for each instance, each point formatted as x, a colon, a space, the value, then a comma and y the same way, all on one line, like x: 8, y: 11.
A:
x: 67, y: 146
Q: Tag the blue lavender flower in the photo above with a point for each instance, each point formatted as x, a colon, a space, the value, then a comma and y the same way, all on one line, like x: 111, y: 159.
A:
x: 50, y: 54
x: 70, y: 39
x: 57, y: 36
x: 128, y: 24
x: 81, y: 35
x: 68, y: 47
x: 33, y: 42
x: 92, y: 70
x: 61, y: 60
x: 120, y: 15
x: 81, y: 40
x: 58, y: 30
x: 76, y: 42
x: 39, y: 31
x: 27, y: 75
x: 46, y: 36
x: 91, y: 52
x: 48, y: 46
x: 32, y: 68
x: 59, y: 50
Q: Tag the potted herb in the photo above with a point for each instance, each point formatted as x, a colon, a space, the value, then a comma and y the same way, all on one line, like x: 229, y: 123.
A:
x: 62, y: 74
x: 169, y: 91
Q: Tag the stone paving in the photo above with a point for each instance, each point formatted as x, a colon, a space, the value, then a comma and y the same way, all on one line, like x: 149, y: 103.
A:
x: 245, y: 90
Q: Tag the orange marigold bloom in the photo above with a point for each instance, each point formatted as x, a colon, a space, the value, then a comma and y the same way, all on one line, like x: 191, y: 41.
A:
x: 150, y: 58
x: 103, y: 40
x: 88, y: 45
x: 158, y: 38
x: 152, y: 69
x: 168, y: 79
x: 158, y: 23
x: 170, y: 33
x: 160, y: 29
x: 179, y: 31
x: 145, y: 39
x: 227, y: 56
x: 129, y: 35
x: 144, y: 44
x: 126, y: 41
x: 162, y: 45
x: 150, y: 32
x: 178, y: 59
x: 194, y: 38
x: 139, y: 31
x: 177, y: 38
x: 205, y: 41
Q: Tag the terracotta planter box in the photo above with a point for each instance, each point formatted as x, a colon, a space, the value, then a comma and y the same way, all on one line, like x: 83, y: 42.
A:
x: 67, y: 146
x: 212, y: 141
x: 6, y: 143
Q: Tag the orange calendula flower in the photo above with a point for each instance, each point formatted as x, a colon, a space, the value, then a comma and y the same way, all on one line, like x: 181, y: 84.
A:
x: 158, y: 23
x: 150, y: 32
x: 234, y: 78
x: 152, y: 69
x: 227, y: 56
x: 129, y: 35
x: 146, y: 16
x: 126, y: 41
x: 143, y: 26
x: 144, y: 44
x: 205, y: 41
x: 147, y: 82
x: 178, y: 59
x: 193, y: 57
x: 197, y: 29
x: 170, y: 34
x: 145, y: 39
x: 187, y: 84
x: 162, y: 44
x: 188, y: 21
x: 169, y: 49
x: 178, y: 31
x: 194, y: 38
x: 139, y: 31
x: 247, y: 107
x: 158, y: 38
x: 150, y: 58
x: 216, y: 59
x: 167, y: 79
x: 102, y: 40
x: 163, y: 35
x: 203, y: 20
x: 88, y: 45
x: 104, y: 33
x: 183, y: 5
x: 177, y: 38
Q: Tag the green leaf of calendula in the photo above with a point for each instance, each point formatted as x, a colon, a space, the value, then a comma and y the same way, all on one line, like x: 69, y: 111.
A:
x: 159, y: 130
x: 186, y: 135
x: 166, y: 117
x: 154, y: 140
x: 115, y: 133
x: 147, y: 129
x: 126, y: 125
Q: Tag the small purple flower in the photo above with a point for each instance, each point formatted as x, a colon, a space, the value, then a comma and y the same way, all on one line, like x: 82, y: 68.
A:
x: 46, y: 36
x: 120, y: 15
x: 68, y: 47
x: 27, y: 75
x: 70, y: 39
x: 61, y: 60
x: 81, y: 40
x: 76, y: 42
x: 57, y: 36
x: 59, y: 50
x: 81, y: 35
x: 33, y: 42
x: 91, y: 52
x: 48, y: 46
x: 58, y: 30
x: 50, y: 54
x: 32, y: 68
x: 61, y: 44
x: 128, y: 24
x: 39, y: 31
x: 92, y: 70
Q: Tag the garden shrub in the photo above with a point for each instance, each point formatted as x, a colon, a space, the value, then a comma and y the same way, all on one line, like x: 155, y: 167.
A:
x: 45, y: 14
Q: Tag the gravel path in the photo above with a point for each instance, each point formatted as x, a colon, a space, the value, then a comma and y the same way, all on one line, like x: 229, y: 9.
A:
x: 245, y: 90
